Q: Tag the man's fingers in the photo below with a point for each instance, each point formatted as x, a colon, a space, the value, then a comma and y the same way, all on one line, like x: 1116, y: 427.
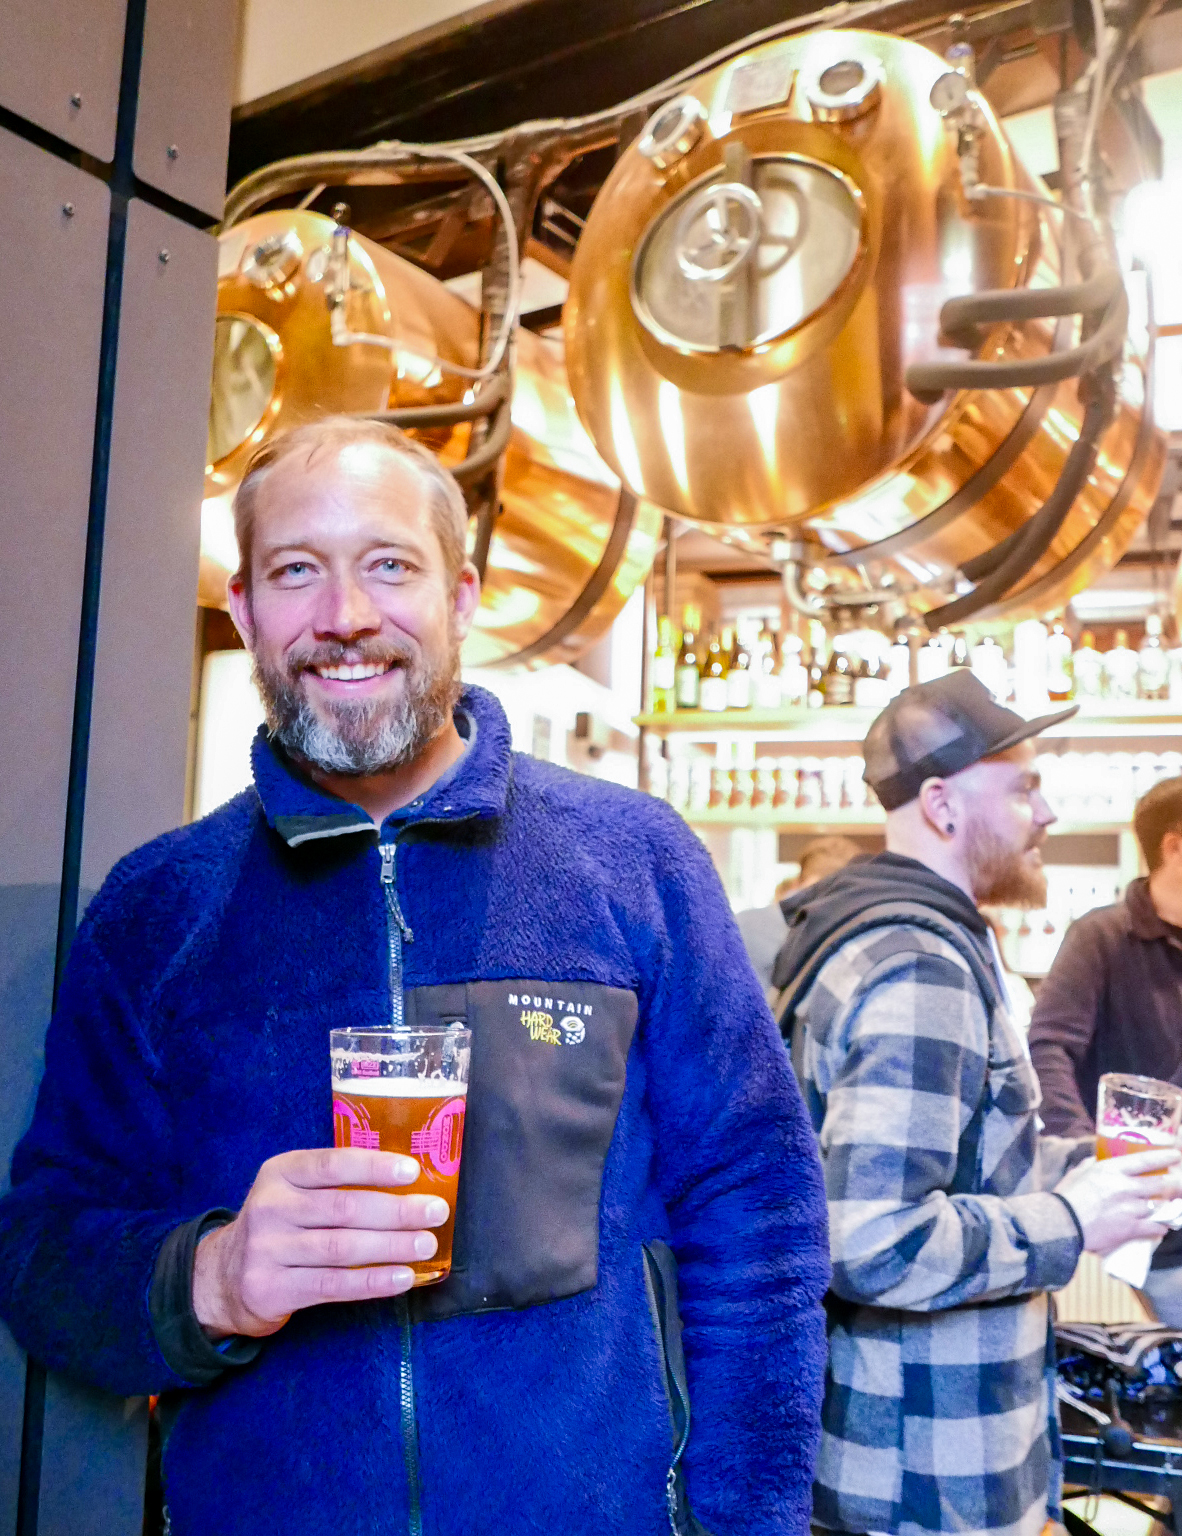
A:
x: 1151, y: 1186
x: 341, y: 1248
x: 314, y: 1287
x: 1147, y: 1162
x: 367, y: 1210
x: 332, y: 1167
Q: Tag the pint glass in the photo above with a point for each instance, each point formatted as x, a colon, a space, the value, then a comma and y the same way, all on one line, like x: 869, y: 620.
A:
x: 1136, y: 1113
x: 405, y: 1090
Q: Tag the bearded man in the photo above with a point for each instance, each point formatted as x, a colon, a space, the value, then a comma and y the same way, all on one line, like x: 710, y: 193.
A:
x: 179, y: 1222
x: 951, y: 1217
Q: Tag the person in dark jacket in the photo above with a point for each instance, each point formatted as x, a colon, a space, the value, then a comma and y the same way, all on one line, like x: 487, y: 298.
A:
x: 950, y: 1217
x: 179, y: 1222
x: 764, y: 929
x: 1112, y: 1002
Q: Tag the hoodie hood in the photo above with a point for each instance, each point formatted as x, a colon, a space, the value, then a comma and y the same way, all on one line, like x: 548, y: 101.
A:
x: 820, y: 910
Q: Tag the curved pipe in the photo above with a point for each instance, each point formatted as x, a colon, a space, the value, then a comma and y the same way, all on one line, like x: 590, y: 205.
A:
x: 1018, y: 304
x: 928, y: 381
x: 1043, y: 526
x: 488, y: 396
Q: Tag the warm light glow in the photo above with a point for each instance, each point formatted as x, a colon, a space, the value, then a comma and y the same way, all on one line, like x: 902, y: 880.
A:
x: 673, y: 432
x: 623, y: 440
x: 1150, y: 236
x: 217, y: 532
x: 765, y: 409
x: 503, y: 610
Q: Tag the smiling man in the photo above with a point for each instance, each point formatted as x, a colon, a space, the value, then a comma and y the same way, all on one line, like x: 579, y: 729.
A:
x: 179, y: 1222
x: 950, y: 1216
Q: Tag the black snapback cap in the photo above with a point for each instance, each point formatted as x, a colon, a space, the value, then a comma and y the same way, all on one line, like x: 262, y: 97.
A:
x: 938, y: 728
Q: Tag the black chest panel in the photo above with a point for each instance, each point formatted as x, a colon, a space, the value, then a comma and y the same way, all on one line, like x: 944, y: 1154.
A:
x: 546, y: 1081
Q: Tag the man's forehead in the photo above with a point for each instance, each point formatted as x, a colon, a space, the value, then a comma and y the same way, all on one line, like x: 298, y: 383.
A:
x: 355, y: 478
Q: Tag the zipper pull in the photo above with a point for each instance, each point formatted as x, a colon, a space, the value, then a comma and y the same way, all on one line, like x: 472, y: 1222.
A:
x: 388, y: 851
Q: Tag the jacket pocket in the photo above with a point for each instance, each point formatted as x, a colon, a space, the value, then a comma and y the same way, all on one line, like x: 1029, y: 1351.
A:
x: 660, y: 1283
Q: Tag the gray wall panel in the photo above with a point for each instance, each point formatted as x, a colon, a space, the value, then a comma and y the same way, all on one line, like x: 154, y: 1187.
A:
x: 92, y: 1462
x: 54, y: 50
x: 49, y: 345
x: 139, y: 733
x: 180, y: 145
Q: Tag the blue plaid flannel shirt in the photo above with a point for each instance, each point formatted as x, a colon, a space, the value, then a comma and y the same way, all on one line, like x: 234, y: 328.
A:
x: 939, y: 1407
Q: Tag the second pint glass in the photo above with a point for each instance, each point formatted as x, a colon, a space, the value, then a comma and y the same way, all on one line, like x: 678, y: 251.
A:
x: 405, y: 1090
x: 1134, y: 1114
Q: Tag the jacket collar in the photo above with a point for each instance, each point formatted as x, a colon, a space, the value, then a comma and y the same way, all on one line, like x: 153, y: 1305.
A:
x: 1144, y: 922
x: 476, y: 788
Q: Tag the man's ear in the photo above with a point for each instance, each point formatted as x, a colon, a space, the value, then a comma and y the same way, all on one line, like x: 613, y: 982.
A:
x: 467, y: 599
x: 239, y: 600
x: 1171, y: 849
x: 935, y: 801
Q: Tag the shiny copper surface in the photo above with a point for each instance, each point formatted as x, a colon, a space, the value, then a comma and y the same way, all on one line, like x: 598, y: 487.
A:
x: 561, y: 502
x: 813, y: 429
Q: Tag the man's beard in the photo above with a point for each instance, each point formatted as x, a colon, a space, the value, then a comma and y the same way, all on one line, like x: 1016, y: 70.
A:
x: 999, y: 875
x: 361, y: 736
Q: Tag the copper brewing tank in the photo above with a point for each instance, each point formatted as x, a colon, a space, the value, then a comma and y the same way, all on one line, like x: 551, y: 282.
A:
x: 567, y: 551
x: 741, y: 361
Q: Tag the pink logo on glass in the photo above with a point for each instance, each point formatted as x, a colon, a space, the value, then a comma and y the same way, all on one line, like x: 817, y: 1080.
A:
x: 354, y: 1120
x: 440, y: 1138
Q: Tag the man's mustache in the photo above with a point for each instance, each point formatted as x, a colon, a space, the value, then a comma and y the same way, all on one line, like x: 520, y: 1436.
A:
x: 338, y: 653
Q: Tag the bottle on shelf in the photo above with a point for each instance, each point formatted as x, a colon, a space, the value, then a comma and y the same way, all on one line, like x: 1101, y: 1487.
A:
x: 1121, y: 668
x: 1060, y: 680
x: 1030, y: 667
x: 1087, y: 668
x: 739, y: 677
x: 872, y: 687
x: 794, y: 673
x: 687, y: 679
x: 664, y: 668
x: 837, y: 680
x: 959, y: 655
x: 989, y: 668
x: 933, y: 657
x: 816, y: 677
x: 769, y: 693
x: 713, y: 691
x: 1153, y: 662
x: 899, y: 663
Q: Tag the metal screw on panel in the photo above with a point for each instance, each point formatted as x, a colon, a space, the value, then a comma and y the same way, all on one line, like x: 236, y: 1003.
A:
x: 165, y: 257
x: 76, y: 99
x: 172, y: 151
x: 68, y: 210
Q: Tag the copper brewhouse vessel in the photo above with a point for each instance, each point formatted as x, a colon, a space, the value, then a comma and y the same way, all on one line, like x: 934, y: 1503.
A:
x: 567, y: 550
x: 755, y: 279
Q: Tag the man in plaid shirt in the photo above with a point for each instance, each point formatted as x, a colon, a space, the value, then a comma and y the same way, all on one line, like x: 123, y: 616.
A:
x: 951, y: 1217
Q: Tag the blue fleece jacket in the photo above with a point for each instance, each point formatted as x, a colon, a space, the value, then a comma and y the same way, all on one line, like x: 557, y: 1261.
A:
x: 627, y: 1086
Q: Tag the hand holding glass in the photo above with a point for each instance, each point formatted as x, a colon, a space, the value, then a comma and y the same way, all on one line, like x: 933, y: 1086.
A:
x: 405, y: 1090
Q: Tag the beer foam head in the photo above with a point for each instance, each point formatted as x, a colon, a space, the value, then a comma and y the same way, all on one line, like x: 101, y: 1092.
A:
x: 399, y: 1087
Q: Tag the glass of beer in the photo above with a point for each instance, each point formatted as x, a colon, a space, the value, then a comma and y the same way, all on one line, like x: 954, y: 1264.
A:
x: 405, y: 1090
x: 1135, y: 1114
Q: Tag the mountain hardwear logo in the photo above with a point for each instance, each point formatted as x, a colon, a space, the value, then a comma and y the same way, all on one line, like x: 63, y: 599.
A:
x: 552, y: 1020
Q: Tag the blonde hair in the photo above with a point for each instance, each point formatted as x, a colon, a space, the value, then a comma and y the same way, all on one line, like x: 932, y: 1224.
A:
x: 449, y: 512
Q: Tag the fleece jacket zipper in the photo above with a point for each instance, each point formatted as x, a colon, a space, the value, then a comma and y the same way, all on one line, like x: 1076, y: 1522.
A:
x: 398, y: 932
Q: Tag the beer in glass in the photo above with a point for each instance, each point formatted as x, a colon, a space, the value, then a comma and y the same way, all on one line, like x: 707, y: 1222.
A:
x: 1135, y: 1114
x: 405, y: 1090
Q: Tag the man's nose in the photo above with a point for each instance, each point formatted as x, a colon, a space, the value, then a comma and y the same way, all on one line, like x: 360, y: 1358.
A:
x: 345, y: 610
x: 1043, y: 815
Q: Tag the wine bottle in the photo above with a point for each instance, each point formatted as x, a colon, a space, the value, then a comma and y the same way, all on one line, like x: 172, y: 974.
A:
x: 713, y: 692
x: 664, y: 668
x: 1153, y: 662
x: 1060, y: 684
x: 688, y: 674
x: 738, y: 674
x: 1087, y: 668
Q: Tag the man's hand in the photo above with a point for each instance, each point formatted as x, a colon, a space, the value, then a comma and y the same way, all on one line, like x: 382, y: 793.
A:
x: 304, y: 1237
x: 1114, y: 1199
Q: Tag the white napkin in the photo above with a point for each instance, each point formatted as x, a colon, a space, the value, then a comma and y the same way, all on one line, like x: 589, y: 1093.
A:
x: 1130, y: 1262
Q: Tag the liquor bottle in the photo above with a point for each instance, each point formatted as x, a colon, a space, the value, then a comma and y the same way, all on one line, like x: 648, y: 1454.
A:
x: 1060, y: 683
x: 872, y: 687
x: 713, y: 694
x: 794, y: 674
x: 1120, y: 669
x: 664, y: 668
x: 837, y: 680
x: 687, y: 676
x: 989, y: 668
x: 1030, y: 667
x: 1087, y: 668
x: 899, y: 664
x: 933, y: 659
x: 816, y: 677
x: 1153, y: 662
x: 739, y: 676
x: 959, y: 656
x: 769, y: 692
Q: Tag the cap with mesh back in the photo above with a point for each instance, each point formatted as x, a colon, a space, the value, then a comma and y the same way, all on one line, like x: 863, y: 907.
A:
x: 938, y: 728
